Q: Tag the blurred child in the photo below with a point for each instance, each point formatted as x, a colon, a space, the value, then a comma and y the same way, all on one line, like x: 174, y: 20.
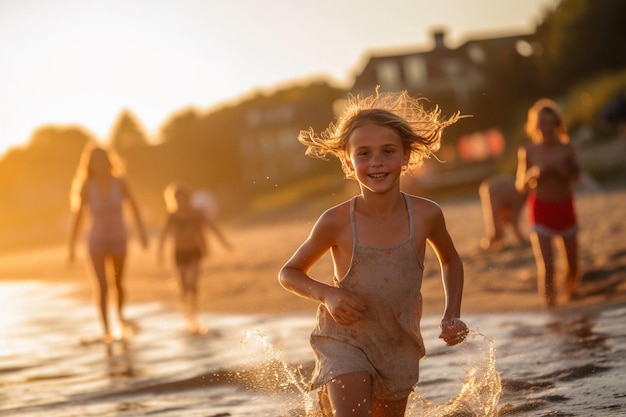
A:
x: 501, y: 203
x: 547, y: 168
x: 100, y: 187
x: 185, y: 224
x: 367, y: 340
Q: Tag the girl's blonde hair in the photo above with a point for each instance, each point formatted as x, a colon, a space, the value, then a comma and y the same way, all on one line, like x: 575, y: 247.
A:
x: 545, y: 105
x: 419, y: 129
x: 84, y: 170
x: 170, y: 193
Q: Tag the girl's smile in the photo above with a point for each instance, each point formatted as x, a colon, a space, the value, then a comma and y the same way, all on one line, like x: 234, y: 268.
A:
x: 376, y: 154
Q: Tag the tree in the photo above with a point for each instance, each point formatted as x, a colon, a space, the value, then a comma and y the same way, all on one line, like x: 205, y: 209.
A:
x: 581, y: 39
x: 127, y: 133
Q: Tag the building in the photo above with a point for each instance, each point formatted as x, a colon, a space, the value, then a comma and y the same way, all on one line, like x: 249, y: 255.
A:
x: 471, y: 78
x: 441, y: 71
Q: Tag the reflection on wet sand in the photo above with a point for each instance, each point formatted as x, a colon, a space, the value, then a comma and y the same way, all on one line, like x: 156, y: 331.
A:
x: 119, y: 359
x: 563, y: 362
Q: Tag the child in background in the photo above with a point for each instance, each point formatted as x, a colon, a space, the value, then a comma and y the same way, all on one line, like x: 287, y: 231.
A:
x: 502, y: 204
x: 100, y: 186
x: 185, y: 224
x: 547, y: 168
x: 367, y: 340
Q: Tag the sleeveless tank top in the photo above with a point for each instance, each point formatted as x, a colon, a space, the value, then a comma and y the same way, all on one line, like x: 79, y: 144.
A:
x: 389, y: 279
x: 106, y: 213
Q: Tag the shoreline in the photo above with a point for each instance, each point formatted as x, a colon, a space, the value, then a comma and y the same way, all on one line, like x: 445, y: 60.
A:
x: 243, y: 281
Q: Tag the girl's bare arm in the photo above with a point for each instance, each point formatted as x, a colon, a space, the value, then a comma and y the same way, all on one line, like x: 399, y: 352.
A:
x: 136, y: 214
x: 218, y: 232
x: 345, y: 307
x: 76, y: 224
x: 453, y: 330
x: 525, y: 175
x: 78, y: 217
x: 162, y: 237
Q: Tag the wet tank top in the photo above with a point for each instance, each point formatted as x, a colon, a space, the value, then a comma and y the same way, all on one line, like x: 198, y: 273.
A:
x: 389, y: 279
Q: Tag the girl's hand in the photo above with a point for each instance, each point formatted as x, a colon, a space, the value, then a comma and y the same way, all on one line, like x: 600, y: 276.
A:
x: 534, y: 172
x: 453, y: 331
x: 345, y: 307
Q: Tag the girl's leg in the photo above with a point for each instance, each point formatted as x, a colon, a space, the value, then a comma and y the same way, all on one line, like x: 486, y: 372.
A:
x: 182, y: 283
x: 192, y: 287
x: 569, y: 246
x: 544, y: 257
x: 389, y: 408
x: 118, y: 271
x: 489, y: 218
x: 517, y: 226
x: 351, y: 395
x: 101, y: 291
x: 187, y: 278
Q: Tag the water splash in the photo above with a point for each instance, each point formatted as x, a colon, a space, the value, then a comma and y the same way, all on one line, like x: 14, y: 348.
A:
x: 478, y: 397
x: 481, y: 389
x: 275, y: 373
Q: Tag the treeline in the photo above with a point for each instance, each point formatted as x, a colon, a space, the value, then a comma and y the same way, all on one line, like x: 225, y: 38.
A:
x: 578, y: 57
x: 202, y: 149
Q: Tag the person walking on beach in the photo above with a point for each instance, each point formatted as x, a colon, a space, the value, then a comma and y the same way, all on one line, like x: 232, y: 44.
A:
x: 100, y: 186
x: 502, y: 204
x: 547, y: 168
x: 185, y: 224
x: 367, y: 340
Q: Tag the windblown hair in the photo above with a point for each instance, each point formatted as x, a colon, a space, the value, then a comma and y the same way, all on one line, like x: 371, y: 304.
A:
x: 172, y: 191
x: 85, y: 172
x: 419, y: 129
x: 545, y: 105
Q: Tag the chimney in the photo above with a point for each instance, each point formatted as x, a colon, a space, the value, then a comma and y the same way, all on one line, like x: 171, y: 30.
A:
x: 439, y: 38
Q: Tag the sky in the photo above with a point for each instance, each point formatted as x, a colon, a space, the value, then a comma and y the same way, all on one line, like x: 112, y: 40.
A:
x: 67, y: 62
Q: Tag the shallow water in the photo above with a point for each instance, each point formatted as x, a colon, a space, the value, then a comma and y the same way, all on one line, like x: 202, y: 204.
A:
x: 560, y: 363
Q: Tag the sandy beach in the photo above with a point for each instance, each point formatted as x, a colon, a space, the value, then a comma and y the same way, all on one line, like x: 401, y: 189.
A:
x: 520, y: 359
x: 243, y: 280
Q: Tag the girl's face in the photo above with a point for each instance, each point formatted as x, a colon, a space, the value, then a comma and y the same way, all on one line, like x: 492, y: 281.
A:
x: 99, y: 163
x: 547, y: 125
x: 183, y: 199
x: 377, y: 156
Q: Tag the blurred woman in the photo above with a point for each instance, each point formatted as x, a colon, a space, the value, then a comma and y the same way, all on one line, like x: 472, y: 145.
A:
x: 100, y: 188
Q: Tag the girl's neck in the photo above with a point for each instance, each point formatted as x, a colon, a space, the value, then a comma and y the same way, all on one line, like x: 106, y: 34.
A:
x: 381, y: 205
x: 101, y: 176
x: 549, y: 141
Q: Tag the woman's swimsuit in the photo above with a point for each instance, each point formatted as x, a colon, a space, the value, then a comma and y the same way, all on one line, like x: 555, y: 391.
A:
x: 387, y: 341
x: 108, y: 233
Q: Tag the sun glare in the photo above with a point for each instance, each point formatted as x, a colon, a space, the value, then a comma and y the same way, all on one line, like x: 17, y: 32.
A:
x: 79, y: 63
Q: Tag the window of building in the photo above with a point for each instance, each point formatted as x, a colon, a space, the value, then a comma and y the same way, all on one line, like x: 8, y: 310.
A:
x: 415, y: 71
x: 388, y: 75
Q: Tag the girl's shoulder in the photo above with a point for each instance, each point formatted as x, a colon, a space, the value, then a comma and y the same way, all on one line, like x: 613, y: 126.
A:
x: 423, y: 202
x: 336, y: 216
x: 531, y: 147
x: 424, y: 207
x: 187, y: 214
x: 339, y: 211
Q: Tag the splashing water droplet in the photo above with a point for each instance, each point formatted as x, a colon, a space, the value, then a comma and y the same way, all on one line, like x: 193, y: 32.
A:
x: 271, y: 370
x: 481, y: 389
x: 478, y: 396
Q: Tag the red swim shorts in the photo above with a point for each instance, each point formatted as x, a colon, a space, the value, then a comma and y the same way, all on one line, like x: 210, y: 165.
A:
x: 552, y: 217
